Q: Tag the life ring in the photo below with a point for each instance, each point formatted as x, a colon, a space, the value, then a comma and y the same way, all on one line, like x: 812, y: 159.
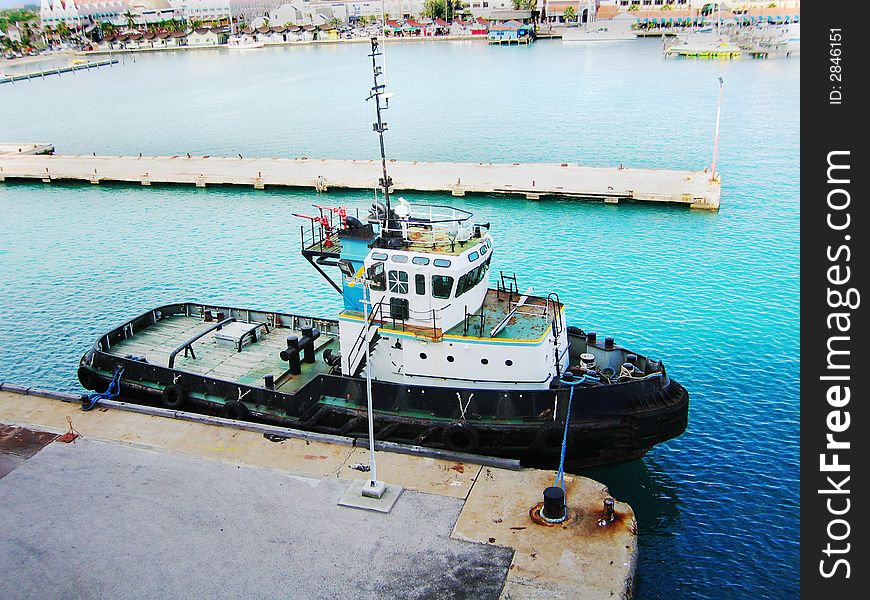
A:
x: 548, y: 438
x: 87, y: 378
x: 236, y: 410
x: 174, y: 396
x: 460, y: 436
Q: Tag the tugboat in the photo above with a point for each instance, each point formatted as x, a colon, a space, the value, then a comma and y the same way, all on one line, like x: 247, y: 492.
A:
x: 450, y: 362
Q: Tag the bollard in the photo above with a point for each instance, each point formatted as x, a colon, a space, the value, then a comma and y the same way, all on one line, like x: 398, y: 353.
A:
x: 291, y: 355
x: 609, y: 515
x: 554, y: 509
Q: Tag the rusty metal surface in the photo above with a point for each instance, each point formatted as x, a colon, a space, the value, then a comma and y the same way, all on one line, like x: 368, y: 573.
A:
x: 17, y: 444
x: 23, y: 442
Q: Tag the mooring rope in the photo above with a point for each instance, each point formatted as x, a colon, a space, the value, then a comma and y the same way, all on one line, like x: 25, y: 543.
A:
x: 110, y: 394
x: 560, y: 475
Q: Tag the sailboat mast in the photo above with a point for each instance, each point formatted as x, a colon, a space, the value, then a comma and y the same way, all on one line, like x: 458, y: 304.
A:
x: 380, y: 127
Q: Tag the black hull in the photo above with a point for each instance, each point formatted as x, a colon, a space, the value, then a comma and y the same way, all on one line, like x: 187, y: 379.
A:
x: 609, y: 424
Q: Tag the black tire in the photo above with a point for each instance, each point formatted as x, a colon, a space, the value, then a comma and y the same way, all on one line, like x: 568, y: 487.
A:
x: 87, y: 378
x: 548, y: 439
x: 174, y: 396
x: 236, y: 410
x: 460, y: 436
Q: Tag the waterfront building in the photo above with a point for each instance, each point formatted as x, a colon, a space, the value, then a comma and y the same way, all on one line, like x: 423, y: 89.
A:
x: 79, y: 14
x: 205, y: 36
x: 485, y: 8
x: 510, y: 31
x: 693, y: 5
x: 504, y: 16
x: 554, y: 12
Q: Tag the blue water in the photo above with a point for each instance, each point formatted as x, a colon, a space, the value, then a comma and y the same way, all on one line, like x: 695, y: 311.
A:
x: 714, y: 295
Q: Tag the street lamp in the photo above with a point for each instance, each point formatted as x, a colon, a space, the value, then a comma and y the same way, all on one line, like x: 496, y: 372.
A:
x: 716, y: 137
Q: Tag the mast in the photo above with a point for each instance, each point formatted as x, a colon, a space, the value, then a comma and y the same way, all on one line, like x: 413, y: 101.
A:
x: 386, y: 182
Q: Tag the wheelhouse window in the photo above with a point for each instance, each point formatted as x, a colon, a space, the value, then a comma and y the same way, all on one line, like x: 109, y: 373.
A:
x: 442, y: 285
x: 473, y: 256
x: 471, y: 279
x: 420, y: 284
x: 400, y: 258
x: 379, y: 256
x: 441, y: 262
x: 420, y: 260
x: 398, y: 281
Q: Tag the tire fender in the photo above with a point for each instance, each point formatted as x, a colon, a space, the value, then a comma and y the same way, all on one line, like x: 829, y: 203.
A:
x: 174, y: 396
x: 460, y: 436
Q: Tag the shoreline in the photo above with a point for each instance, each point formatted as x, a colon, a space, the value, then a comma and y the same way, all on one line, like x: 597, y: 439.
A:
x: 444, y: 38
x: 29, y: 60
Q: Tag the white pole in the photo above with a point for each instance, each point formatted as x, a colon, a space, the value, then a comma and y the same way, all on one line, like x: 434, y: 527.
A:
x: 716, y: 137
x: 373, y: 467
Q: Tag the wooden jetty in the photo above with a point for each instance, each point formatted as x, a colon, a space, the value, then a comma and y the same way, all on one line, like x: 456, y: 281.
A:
x: 695, y: 189
x: 13, y: 77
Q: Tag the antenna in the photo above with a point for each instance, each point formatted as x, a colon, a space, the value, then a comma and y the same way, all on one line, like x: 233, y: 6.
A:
x: 386, y: 182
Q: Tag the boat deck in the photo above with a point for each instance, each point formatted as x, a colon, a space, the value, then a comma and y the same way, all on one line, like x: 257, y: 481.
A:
x: 530, y: 322
x: 248, y: 367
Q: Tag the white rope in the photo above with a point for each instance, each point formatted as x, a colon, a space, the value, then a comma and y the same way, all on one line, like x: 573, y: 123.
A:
x: 462, y: 409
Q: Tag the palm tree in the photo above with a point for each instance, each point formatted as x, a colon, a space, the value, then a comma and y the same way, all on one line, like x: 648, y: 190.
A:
x: 107, y: 28
x: 130, y: 18
x: 63, y: 30
x: 26, y: 32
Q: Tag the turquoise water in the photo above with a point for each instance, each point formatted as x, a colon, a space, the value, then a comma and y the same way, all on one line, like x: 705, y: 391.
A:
x: 714, y: 295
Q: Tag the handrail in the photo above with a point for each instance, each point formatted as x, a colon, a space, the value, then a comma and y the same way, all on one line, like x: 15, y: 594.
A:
x: 360, y: 339
x: 188, y: 344
x: 250, y: 331
x: 553, y: 298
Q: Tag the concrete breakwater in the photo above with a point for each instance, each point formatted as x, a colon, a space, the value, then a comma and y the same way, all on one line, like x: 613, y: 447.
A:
x: 696, y: 189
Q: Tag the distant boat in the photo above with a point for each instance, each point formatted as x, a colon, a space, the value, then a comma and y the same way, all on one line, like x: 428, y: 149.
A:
x: 244, y: 43
x: 602, y: 33
x: 703, y: 44
x: 616, y: 29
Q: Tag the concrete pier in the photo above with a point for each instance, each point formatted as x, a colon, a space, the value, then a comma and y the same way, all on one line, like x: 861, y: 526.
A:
x: 25, y: 149
x: 147, y: 506
x: 529, y: 180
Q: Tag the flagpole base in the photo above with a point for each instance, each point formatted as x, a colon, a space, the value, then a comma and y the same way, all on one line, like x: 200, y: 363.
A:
x: 374, y: 489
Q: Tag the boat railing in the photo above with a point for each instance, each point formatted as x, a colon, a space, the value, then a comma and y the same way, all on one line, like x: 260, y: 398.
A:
x: 250, y: 332
x: 434, y: 214
x: 507, y: 284
x: 554, y: 312
x: 431, y: 224
x: 187, y: 346
x: 474, y: 316
x: 377, y: 317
